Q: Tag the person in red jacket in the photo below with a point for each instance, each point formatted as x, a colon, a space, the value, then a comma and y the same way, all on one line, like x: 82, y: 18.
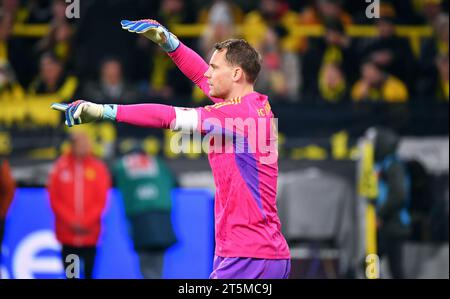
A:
x: 7, y: 190
x: 78, y: 189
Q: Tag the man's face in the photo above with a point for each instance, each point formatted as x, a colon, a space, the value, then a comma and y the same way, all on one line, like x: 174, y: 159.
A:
x: 269, y: 7
x: 333, y: 75
x: 442, y: 31
x: 220, y: 75
x: 386, y: 29
x: 59, y: 10
x: 172, y: 6
x: 431, y: 10
x: 6, y: 26
x: 329, y: 9
x: 333, y: 37
x: 112, y: 73
x: 442, y: 65
x: 371, y: 74
x: 81, y: 145
x: 50, y: 70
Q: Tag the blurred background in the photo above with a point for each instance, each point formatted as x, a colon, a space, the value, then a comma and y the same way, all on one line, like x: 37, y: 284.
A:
x: 362, y: 107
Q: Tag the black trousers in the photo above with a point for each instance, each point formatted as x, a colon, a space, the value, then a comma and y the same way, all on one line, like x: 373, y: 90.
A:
x: 86, y: 256
x: 392, y: 248
x: 151, y: 263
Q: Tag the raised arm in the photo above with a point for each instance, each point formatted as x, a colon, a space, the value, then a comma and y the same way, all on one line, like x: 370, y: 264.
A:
x: 188, y: 61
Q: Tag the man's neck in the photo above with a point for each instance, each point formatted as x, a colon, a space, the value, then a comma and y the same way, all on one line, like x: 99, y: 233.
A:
x: 241, y: 92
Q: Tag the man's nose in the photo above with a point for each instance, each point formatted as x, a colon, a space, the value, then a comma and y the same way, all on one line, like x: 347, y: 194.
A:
x: 207, y: 74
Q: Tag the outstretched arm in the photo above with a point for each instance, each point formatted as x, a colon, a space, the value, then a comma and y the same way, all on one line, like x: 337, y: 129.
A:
x: 147, y: 115
x: 143, y: 115
x: 188, y: 61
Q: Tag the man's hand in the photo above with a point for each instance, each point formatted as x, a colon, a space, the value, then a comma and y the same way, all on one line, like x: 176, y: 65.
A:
x: 80, y: 112
x: 154, y: 31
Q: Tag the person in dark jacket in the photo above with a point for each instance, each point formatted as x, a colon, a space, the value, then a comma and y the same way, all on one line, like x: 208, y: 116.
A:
x: 391, y: 52
x: 112, y: 85
x: 337, y: 48
x: 393, y: 219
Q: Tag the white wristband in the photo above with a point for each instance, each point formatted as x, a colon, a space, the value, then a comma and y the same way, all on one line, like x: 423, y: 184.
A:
x: 186, y: 119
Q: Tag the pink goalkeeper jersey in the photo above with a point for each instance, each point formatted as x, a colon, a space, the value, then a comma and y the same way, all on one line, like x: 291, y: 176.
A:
x: 245, y: 174
x: 245, y: 170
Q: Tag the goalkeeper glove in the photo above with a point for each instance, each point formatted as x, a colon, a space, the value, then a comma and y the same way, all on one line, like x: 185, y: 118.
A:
x: 80, y: 112
x: 154, y: 31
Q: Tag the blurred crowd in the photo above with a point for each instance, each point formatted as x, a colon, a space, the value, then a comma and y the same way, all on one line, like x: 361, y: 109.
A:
x: 92, y: 58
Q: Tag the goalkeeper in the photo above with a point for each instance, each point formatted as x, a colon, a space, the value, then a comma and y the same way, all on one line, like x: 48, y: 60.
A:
x: 249, y: 242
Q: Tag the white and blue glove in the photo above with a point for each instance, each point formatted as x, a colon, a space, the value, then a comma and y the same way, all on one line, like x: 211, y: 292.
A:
x: 154, y: 31
x: 81, y: 112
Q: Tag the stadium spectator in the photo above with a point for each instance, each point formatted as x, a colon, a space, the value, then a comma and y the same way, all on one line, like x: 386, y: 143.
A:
x: 78, y: 189
x: 145, y: 183
x: 13, y: 9
x: 220, y: 26
x: 429, y: 9
x: 391, y: 52
x: 111, y: 87
x: 377, y: 85
x: 332, y: 83
x: 38, y: 12
x: 432, y: 48
x: 393, y: 217
x: 165, y: 80
x: 322, y: 11
x: 6, y: 25
x: 7, y: 190
x: 12, y: 97
x: 272, y: 13
x: 53, y: 79
x: 175, y: 12
x: 58, y: 11
x: 236, y: 10
x: 14, y: 51
x: 319, y: 13
x: 337, y: 48
x: 10, y: 89
x: 443, y: 87
x: 279, y: 77
x: 58, y: 41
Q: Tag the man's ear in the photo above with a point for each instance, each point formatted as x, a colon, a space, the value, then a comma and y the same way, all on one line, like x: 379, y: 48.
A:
x: 238, y: 74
